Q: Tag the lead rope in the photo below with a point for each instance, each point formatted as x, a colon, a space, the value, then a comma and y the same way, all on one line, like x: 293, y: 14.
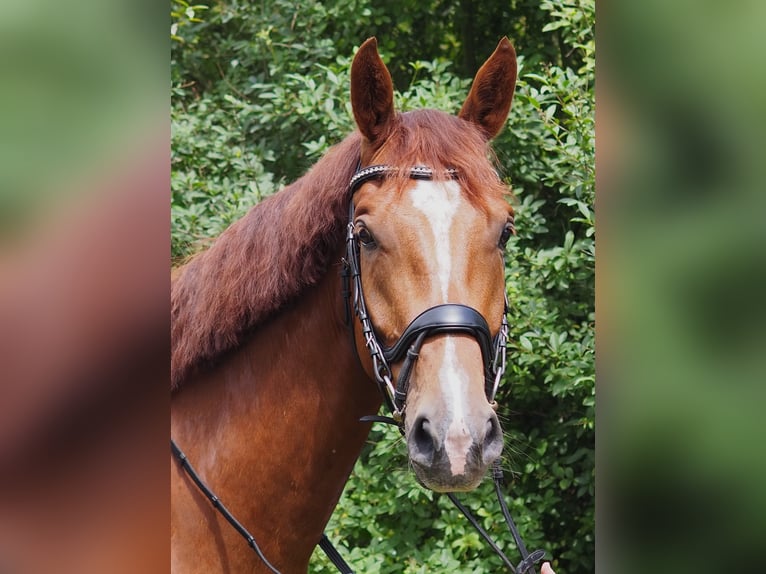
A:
x: 324, y: 543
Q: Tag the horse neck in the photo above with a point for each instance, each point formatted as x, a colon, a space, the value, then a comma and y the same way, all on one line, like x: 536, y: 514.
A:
x: 275, y: 429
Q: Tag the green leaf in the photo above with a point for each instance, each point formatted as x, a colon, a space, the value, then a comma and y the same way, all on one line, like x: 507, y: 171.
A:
x: 525, y: 343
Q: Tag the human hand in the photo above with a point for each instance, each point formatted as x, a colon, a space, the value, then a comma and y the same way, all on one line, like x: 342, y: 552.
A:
x: 546, y: 569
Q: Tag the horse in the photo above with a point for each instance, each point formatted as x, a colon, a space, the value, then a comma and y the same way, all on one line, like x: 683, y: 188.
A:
x: 381, y: 268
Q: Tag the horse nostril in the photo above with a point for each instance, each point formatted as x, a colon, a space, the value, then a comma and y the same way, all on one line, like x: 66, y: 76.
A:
x: 423, y: 438
x: 493, y: 440
x: 491, y: 430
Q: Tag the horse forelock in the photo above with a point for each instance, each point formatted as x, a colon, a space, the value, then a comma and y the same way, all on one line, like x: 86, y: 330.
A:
x: 286, y: 243
x: 442, y: 141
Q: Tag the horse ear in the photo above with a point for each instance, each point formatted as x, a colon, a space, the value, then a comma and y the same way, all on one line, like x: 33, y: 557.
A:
x: 489, y: 100
x: 372, y: 93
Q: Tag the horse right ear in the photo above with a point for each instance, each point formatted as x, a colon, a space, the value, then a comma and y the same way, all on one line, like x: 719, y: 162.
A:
x: 491, y: 94
x: 372, y: 93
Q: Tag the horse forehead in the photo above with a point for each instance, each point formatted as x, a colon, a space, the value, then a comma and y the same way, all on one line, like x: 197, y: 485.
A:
x: 445, y: 209
x: 435, y: 198
x: 439, y: 204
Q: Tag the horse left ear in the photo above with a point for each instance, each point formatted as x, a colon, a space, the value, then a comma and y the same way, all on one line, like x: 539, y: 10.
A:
x: 489, y: 100
x: 372, y: 93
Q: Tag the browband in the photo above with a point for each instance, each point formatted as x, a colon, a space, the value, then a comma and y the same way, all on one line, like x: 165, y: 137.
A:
x: 381, y: 171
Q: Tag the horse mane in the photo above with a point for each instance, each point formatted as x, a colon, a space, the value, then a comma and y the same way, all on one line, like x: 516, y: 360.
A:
x: 286, y: 243
x: 281, y: 246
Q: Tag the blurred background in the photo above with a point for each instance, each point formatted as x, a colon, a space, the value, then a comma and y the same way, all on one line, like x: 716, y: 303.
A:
x: 85, y: 251
x: 680, y: 296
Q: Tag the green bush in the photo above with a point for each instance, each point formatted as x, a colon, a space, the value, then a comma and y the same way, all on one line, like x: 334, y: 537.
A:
x: 260, y: 91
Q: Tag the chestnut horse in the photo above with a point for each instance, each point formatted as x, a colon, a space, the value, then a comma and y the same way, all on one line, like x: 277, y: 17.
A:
x: 271, y: 371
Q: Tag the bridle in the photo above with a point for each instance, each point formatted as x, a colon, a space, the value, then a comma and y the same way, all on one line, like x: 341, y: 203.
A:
x: 445, y: 318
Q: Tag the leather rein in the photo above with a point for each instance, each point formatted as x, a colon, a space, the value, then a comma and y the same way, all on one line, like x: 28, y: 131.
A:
x: 450, y: 318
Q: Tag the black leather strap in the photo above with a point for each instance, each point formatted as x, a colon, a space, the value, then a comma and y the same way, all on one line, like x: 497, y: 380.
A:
x: 218, y: 505
x: 529, y: 562
x: 381, y: 171
x: 403, y: 382
x: 334, y: 556
x: 447, y: 318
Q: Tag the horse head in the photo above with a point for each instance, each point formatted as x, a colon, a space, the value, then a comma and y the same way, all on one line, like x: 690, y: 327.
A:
x: 428, y: 225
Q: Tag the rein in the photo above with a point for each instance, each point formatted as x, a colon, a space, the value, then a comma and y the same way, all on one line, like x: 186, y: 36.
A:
x: 448, y: 317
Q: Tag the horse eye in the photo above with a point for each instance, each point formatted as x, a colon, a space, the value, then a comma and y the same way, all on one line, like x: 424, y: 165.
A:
x: 365, y: 237
x: 508, y: 230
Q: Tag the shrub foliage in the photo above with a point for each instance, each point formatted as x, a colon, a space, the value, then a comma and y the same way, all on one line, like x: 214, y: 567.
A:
x: 260, y: 91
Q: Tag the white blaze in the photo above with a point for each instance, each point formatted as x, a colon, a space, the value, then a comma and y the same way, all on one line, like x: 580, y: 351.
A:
x: 454, y: 383
x: 439, y: 202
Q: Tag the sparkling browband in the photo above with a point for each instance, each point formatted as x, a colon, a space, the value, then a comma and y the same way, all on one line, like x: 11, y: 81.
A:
x: 379, y: 171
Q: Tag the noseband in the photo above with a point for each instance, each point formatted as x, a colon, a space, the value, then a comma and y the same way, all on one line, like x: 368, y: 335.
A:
x: 445, y: 318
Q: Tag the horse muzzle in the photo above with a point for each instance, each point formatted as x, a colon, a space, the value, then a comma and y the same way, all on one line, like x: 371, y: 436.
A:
x: 453, y: 457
